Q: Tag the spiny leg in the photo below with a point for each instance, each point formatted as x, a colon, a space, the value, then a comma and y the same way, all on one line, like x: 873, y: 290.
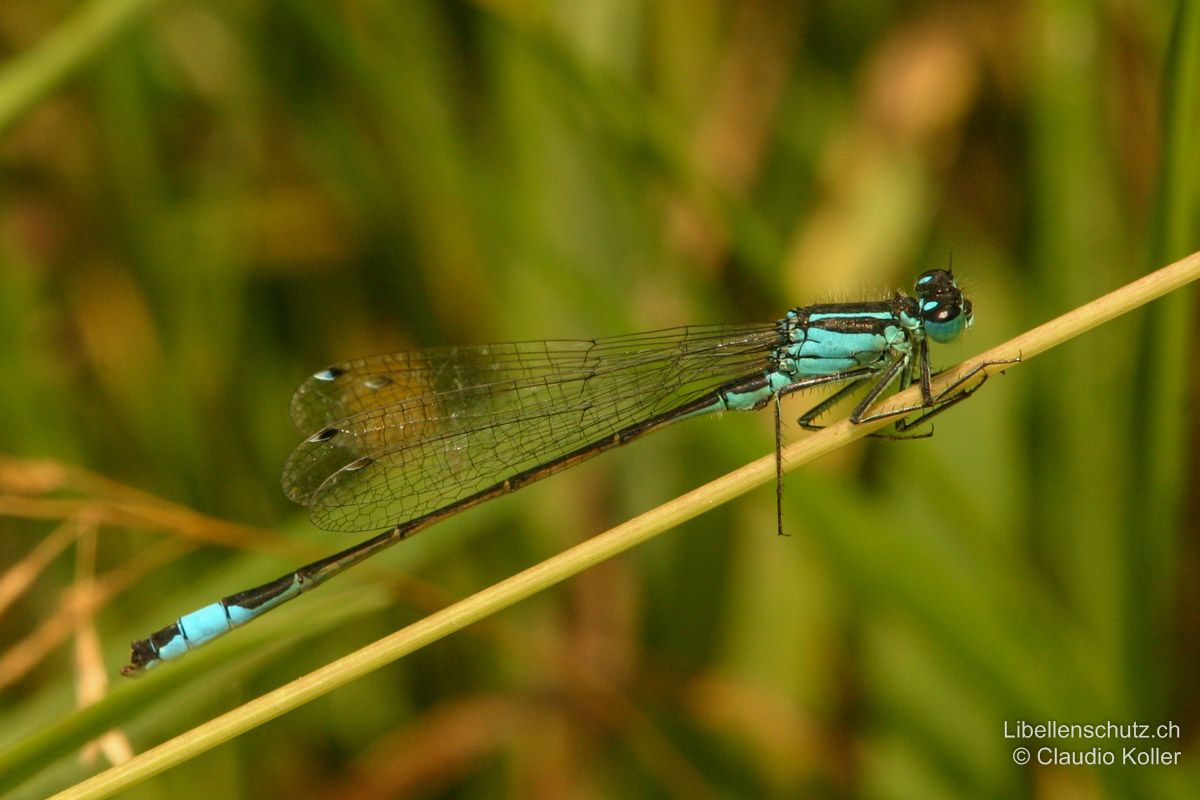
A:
x: 852, y: 377
x: 949, y: 396
x: 857, y: 377
x: 919, y: 365
x: 779, y: 466
x: 954, y: 393
x: 972, y: 372
x: 885, y: 380
x: 806, y: 419
x: 901, y: 367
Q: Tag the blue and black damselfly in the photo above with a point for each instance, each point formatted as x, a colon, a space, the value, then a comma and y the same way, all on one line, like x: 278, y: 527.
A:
x: 409, y: 439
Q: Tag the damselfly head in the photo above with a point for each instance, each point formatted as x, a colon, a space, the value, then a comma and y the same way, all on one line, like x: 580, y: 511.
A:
x: 944, y: 311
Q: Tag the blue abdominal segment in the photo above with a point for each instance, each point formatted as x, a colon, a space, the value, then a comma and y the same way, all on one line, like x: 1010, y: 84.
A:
x: 205, y: 624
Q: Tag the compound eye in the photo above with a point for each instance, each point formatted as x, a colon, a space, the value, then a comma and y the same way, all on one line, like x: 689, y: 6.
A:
x: 944, y: 313
x: 946, y: 318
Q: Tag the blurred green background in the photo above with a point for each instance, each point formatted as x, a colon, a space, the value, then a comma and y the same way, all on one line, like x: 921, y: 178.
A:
x: 203, y: 203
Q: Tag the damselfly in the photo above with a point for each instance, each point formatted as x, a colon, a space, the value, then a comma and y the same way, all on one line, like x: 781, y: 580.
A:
x: 407, y: 440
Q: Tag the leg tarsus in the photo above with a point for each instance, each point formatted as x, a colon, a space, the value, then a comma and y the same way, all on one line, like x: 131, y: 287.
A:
x: 950, y: 396
x: 779, y: 467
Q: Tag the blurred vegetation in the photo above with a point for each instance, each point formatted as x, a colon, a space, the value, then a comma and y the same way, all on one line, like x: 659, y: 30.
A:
x: 204, y: 203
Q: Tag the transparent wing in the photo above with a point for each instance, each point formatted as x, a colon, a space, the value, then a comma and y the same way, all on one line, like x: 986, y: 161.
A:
x: 395, y: 437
